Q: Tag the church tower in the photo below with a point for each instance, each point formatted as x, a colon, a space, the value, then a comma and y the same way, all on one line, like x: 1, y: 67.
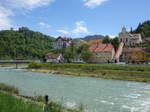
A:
x: 124, y: 30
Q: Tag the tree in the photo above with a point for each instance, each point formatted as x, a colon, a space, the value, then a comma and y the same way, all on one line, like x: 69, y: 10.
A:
x: 131, y: 30
x: 26, y: 43
x: 115, y: 43
x: 86, y: 55
x: 143, y: 29
x: 106, y: 40
x: 68, y: 55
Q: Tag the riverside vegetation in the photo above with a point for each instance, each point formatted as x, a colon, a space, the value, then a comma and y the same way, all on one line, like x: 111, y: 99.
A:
x: 11, y: 101
x: 104, y: 71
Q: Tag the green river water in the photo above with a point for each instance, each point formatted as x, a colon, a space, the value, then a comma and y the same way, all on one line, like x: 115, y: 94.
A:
x: 97, y: 95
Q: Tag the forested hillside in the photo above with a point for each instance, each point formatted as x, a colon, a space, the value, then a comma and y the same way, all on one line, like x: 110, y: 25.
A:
x: 93, y: 37
x: 144, y: 29
x: 90, y: 37
x: 23, y: 43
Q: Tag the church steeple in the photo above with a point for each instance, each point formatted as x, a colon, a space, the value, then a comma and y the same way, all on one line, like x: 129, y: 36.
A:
x: 124, y: 29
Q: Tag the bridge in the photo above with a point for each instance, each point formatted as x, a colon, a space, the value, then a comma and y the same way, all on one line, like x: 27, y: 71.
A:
x: 18, y: 61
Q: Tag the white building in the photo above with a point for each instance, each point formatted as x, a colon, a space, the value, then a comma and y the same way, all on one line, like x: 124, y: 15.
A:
x: 54, y: 57
x: 128, y: 38
x: 62, y: 42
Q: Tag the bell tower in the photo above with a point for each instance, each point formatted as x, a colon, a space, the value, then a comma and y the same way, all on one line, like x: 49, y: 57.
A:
x: 124, y: 30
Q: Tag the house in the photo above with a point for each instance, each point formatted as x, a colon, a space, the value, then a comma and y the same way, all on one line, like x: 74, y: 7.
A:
x: 103, y: 53
x: 135, y: 55
x: 95, y: 41
x: 128, y: 38
x: 62, y: 42
x: 146, y: 40
x: 54, y: 57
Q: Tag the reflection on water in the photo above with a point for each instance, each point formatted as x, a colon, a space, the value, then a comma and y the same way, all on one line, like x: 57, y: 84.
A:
x: 97, y: 95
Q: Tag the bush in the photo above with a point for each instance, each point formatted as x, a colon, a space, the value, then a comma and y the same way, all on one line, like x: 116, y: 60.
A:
x: 35, y: 65
x: 7, y: 88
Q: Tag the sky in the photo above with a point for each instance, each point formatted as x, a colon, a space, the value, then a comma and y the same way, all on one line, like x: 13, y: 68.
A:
x: 74, y: 18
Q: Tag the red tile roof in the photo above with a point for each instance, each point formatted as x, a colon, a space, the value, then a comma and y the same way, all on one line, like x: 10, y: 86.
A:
x: 133, y: 49
x: 95, y: 41
x: 136, y: 35
x: 101, y: 48
x: 93, y: 47
x: 52, y: 55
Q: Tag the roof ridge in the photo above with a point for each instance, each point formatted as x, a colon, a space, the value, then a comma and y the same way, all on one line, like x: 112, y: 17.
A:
x: 105, y: 46
x: 96, y: 47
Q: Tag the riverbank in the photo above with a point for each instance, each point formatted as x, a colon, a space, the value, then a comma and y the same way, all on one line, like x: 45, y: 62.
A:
x: 109, y: 71
x: 10, y: 97
x: 13, y: 64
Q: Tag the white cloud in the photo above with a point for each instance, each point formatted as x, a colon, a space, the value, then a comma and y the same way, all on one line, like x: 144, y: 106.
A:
x: 63, y: 31
x: 80, y: 28
x: 7, y: 9
x: 93, y: 3
x: 5, y: 21
x: 26, y: 4
x: 44, y: 25
x: 112, y: 36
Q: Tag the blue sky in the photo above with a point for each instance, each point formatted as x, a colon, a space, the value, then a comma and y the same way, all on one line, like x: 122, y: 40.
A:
x: 74, y: 18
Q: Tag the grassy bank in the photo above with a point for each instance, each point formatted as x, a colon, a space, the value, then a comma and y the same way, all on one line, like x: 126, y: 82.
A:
x: 108, y: 71
x: 8, y: 88
x: 11, y: 101
x: 12, y: 64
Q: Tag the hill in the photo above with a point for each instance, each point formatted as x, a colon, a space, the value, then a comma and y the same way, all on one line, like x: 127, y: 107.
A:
x: 93, y: 37
x: 144, y: 29
x: 90, y: 37
x: 23, y: 43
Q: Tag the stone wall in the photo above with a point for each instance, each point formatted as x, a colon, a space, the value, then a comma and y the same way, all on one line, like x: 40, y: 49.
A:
x: 102, y: 57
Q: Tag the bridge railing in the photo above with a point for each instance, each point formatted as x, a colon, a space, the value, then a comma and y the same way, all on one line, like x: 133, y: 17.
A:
x: 18, y: 61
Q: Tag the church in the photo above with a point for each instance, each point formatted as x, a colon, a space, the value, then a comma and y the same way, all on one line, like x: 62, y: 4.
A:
x: 129, y: 39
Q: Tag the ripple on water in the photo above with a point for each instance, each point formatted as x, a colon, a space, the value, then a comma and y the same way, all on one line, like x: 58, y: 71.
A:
x: 71, y: 104
x: 96, y: 95
x: 107, y: 102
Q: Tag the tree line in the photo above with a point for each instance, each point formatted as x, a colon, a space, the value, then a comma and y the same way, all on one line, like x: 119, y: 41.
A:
x: 143, y: 29
x: 23, y: 43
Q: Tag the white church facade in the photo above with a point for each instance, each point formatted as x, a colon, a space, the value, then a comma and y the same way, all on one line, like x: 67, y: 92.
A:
x: 128, y: 38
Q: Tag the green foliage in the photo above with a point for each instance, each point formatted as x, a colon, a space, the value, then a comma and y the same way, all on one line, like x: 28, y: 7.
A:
x: 86, y: 56
x: 90, y: 37
x: 34, y: 65
x: 69, y: 53
x: 23, y: 43
x: 108, y: 71
x: 106, y: 40
x: 9, y: 103
x: 12, y: 103
x: 83, y: 50
x: 98, y: 66
x: 143, y: 29
x: 7, y: 88
x: 143, y: 45
x: 81, y: 107
x: 93, y: 37
x: 72, y: 52
x: 113, y: 41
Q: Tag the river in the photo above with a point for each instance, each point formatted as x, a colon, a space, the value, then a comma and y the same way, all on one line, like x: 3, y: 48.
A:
x: 97, y: 95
